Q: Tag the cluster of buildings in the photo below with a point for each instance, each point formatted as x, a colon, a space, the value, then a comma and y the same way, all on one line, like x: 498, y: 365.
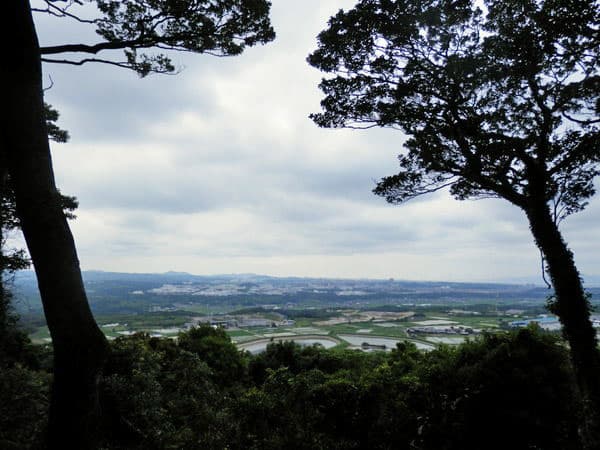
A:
x: 442, y: 329
x: 550, y: 323
x: 226, y: 321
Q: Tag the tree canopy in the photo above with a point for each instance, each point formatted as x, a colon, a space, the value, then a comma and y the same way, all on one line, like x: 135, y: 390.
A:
x: 145, y: 29
x: 493, y: 100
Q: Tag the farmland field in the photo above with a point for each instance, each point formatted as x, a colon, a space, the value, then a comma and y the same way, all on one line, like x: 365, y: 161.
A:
x: 363, y: 330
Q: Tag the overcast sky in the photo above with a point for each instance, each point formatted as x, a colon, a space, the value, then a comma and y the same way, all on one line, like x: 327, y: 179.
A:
x: 219, y: 170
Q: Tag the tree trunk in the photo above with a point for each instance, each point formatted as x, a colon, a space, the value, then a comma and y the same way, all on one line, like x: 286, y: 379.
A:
x: 573, y: 310
x: 80, y: 347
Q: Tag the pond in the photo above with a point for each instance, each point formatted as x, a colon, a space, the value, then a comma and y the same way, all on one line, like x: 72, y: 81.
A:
x: 452, y: 340
x: 261, y: 345
x: 389, y: 343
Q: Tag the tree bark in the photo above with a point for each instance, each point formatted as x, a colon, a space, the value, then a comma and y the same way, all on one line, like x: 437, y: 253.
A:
x: 80, y: 348
x: 572, y: 308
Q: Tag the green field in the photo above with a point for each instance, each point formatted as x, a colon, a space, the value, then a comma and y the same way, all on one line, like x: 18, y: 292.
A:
x: 357, y: 325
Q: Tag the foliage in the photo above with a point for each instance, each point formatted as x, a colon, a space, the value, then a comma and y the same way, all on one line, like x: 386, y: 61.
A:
x: 55, y: 133
x: 516, y: 387
x: 494, y: 102
x: 512, y: 390
x: 144, y: 30
x: 214, y: 347
x: 159, y: 396
x: 523, y: 383
x: 297, y: 359
x: 24, y: 395
x: 10, y: 260
x: 24, y: 384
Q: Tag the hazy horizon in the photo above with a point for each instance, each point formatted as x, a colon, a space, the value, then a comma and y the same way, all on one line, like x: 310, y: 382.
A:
x: 592, y: 280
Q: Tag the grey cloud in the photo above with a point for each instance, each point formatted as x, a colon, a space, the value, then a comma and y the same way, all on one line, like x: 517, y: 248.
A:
x: 113, y: 105
x: 356, y: 238
x: 221, y: 163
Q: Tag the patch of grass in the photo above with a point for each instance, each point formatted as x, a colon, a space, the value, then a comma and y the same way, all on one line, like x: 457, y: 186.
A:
x: 239, y: 332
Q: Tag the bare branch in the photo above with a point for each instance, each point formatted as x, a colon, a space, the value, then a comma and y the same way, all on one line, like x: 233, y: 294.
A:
x: 62, y: 12
x: 581, y: 122
x: 87, y: 60
x: 84, y: 48
x: 51, y: 84
x: 122, y: 64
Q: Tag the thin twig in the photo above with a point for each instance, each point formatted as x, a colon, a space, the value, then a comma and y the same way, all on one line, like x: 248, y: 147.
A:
x: 51, y: 84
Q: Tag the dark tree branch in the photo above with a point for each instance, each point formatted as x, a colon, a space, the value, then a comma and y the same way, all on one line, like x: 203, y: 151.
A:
x: 84, y: 48
x: 581, y: 122
x: 63, y: 12
x: 122, y: 64
x: 87, y: 60
x: 56, y: 11
x: 51, y: 84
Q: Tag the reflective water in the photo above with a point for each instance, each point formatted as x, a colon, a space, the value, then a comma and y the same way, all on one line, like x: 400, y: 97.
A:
x: 261, y: 346
x: 389, y: 343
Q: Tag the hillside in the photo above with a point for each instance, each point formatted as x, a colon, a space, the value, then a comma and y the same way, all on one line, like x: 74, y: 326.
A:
x: 113, y: 292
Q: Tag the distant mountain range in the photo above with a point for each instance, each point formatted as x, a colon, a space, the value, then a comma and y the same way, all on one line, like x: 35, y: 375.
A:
x: 590, y: 280
x: 114, y: 292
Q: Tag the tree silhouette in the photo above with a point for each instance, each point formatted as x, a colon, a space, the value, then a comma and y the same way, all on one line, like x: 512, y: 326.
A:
x: 497, y: 102
x: 143, y: 30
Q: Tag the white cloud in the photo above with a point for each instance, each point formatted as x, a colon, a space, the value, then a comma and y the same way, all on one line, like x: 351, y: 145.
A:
x: 219, y: 170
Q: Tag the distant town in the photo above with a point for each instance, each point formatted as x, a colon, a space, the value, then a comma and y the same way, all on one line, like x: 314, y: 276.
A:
x: 367, y: 315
